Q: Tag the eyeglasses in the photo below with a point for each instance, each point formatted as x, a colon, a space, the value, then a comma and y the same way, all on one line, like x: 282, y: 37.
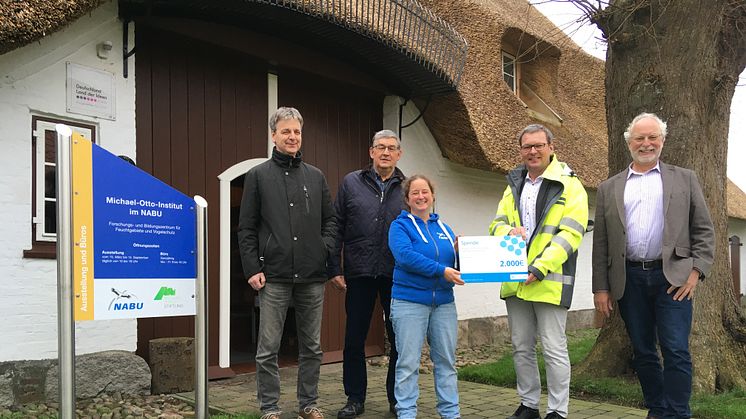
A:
x: 527, y: 147
x: 652, y: 137
x: 390, y: 148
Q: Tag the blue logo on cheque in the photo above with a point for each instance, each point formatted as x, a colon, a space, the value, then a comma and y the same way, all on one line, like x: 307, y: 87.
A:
x: 513, y: 244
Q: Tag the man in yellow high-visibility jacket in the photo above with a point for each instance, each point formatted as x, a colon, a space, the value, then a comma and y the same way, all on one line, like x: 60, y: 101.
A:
x: 546, y: 204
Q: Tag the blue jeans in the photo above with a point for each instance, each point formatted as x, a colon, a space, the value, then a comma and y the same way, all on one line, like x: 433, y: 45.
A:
x: 651, y: 315
x: 412, y: 322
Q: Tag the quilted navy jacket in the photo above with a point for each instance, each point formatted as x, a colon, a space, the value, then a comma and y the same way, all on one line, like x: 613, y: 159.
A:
x: 363, y: 214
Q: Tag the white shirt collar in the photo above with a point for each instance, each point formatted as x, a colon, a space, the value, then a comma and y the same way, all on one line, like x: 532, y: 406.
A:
x: 634, y: 172
x: 538, y: 179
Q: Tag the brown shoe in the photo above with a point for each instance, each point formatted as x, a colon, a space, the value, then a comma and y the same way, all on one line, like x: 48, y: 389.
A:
x: 310, y: 412
x: 271, y: 415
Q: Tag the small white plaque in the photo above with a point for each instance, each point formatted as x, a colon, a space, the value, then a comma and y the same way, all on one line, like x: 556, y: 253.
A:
x: 90, y: 91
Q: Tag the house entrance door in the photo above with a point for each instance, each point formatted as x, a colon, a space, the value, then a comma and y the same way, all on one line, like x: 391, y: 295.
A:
x: 202, y: 108
x: 339, y: 122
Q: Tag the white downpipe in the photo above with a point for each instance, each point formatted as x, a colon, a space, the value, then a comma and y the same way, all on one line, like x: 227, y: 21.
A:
x: 272, y: 105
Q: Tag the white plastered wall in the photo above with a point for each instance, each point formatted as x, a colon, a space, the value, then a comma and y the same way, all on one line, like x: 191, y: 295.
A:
x: 32, y: 82
x: 466, y: 199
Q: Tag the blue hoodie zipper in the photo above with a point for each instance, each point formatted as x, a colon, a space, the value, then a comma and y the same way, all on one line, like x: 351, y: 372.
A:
x: 437, y: 257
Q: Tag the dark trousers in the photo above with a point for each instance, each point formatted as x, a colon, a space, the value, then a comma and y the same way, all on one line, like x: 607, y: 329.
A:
x: 359, y: 303
x: 653, y: 316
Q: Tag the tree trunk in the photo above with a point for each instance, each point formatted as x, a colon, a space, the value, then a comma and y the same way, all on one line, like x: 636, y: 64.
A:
x: 680, y: 59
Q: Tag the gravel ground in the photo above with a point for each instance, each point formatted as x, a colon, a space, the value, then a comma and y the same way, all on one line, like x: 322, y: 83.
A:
x: 468, y: 356
x: 166, y: 407
x: 109, y: 407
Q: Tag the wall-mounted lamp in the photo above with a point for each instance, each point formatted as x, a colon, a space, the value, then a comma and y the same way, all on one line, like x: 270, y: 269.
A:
x: 103, y: 48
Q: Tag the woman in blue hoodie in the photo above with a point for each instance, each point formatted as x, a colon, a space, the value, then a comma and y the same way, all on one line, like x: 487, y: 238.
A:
x: 422, y: 302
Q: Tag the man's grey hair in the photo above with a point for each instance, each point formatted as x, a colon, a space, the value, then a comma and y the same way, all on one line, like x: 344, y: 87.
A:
x: 663, y: 126
x: 385, y: 133
x: 282, y: 114
x: 535, y: 128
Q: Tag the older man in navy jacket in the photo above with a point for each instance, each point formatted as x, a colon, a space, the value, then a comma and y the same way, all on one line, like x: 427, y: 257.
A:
x: 367, y: 202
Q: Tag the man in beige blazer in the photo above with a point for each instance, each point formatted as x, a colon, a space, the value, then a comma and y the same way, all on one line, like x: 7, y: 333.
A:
x: 653, y: 241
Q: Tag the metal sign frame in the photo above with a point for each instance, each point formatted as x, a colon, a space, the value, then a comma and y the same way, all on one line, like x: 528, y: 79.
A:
x: 65, y: 294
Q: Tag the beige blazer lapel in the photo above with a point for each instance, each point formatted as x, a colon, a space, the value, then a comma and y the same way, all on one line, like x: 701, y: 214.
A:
x: 667, y: 177
x: 619, y: 184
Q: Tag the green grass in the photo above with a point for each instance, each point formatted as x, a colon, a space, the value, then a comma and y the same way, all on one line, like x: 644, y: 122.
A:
x: 731, y: 404
x: 242, y: 416
x: 624, y: 391
x: 501, y: 372
x: 617, y: 390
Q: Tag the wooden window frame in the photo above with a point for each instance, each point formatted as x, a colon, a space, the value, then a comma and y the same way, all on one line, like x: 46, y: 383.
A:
x: 44, y: 244
x: 511, y: 57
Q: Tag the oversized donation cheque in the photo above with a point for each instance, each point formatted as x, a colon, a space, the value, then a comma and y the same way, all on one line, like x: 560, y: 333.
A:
x: 492, y: 258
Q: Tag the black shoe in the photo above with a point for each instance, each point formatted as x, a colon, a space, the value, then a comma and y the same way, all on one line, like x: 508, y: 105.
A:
x: 554, y: 415
x: 351, y: 410
x: 525, y: 412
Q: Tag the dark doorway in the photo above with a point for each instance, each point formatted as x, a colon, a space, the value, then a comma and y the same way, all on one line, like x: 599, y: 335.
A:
x: 244, y: 314
x: 245, y: 311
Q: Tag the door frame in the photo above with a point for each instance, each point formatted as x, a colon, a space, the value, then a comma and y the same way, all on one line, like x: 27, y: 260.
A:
x: 224, y: 314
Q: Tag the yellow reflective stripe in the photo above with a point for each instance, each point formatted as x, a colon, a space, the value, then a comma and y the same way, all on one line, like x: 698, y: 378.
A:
x: 572, y: 224
x: 549, y: 230
x: 564, y: 244
x: 501, y: 219
x: 564, y: 279
x: 497, y: 222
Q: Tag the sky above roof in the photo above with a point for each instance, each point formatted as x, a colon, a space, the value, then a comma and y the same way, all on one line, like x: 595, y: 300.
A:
x: 570, y: 19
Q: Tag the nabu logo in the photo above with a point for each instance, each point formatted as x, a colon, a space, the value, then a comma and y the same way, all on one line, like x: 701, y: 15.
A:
x: 122, y: 301
x: 442, y: 236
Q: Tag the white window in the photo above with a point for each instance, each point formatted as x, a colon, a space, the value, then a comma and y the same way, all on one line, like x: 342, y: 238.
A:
x: 509, y: 70
x: 45, y: 172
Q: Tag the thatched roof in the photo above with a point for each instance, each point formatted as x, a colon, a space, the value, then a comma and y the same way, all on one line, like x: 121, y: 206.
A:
x: 736, y: 201
x: 25, y: 21
x: 404, y: 43
x: 477, y: 126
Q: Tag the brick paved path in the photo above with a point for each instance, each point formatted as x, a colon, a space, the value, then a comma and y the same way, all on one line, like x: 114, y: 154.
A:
x: 238, y: 395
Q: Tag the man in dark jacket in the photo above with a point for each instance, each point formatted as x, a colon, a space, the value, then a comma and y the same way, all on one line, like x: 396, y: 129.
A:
x: 285, y: 231
x: 367, y: 202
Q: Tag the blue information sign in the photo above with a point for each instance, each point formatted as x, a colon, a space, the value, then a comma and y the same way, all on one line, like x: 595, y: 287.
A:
x: 143, y: 227
x: 135, y: 240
